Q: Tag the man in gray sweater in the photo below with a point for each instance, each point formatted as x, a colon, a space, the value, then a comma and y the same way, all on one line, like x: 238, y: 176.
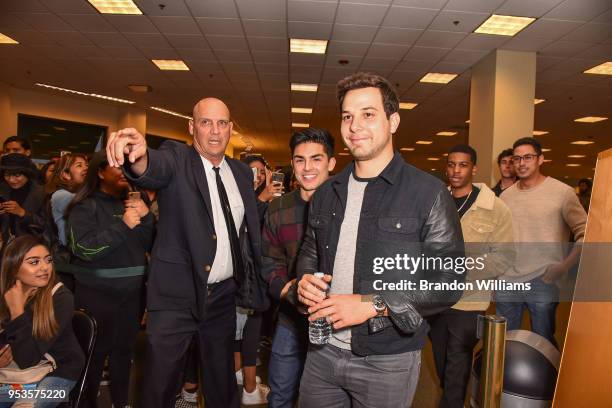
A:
x: 544, y: 211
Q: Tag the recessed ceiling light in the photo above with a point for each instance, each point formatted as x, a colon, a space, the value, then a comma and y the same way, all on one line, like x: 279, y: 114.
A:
x: 583, y: 142
x: 299, y: 125
x: 407, y: 149
x: 434, y: 169
x: 572, y: 165
x: 169, y: 112
x: 433, y: 158
x: 538, y: 101
x: 5, y: 39
x: 343, y: 154
x: 59, y: 128
x: 546, y: 150
x: 307, y: 46
x: 424, y: 142
x: 304, y: 87
x: 438, y: 78
x: 590, y: 119
x: 93, y: 95
x: 445, y: 155
x: 467, y: 121
x: 601, y: 69
x: 540, y: 132
x: 446, y: 133
x: 547, y: 160
x: 170, y: 65
x: 576, y: 156
x: 301, y: 110
x: 504, y: 25
x: 115, y: 6
x: 407, y: 105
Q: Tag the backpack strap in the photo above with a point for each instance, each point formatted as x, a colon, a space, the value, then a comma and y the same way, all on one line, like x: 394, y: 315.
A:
x: 56, y: 287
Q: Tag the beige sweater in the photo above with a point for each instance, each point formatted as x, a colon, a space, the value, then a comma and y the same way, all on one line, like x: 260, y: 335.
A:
x: 543, y: 218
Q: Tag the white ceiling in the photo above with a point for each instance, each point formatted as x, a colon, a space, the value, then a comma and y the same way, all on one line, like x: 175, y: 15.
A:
x: 238, y: 50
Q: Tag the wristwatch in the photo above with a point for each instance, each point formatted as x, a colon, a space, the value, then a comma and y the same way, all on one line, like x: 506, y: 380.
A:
x: 379, y: 305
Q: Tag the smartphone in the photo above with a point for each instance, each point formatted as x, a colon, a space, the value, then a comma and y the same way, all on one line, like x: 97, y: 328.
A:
x: 255, y: 171
x: 65, y: 152
x: 134, y: 195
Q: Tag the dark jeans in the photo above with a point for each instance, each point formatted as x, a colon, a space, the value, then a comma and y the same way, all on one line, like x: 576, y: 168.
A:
x: 541, y: 301
x: 169, y: 334
x: 337, y: 378
x: 118, y: 318
x: 286, y: 365
x: 453, y: 338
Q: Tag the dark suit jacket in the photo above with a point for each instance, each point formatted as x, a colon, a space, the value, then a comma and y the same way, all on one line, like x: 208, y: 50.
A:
x: 185, y: 244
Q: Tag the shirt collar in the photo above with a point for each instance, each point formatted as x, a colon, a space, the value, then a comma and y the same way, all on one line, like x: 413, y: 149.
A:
x: 208, y: 166
x: 390, y: 173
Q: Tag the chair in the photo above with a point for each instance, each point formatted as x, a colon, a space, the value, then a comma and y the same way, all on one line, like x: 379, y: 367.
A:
x: 86, y: 329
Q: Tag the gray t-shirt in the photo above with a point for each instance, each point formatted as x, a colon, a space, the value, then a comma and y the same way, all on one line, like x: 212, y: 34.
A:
x: 344, y: 264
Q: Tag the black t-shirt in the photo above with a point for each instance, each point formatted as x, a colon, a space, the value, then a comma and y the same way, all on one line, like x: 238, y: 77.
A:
x: 464, y: 203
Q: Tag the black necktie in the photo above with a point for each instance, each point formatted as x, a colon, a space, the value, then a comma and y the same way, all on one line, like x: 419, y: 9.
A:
x: 231, y: 228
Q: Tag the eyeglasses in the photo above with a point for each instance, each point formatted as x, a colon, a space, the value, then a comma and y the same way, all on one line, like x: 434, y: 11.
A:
x: 527, y: 158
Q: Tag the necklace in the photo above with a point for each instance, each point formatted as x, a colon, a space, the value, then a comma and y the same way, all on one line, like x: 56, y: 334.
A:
x: 465, y: 201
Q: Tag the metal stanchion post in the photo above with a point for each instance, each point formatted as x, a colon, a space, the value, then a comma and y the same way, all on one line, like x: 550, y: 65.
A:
x: 493, y: 351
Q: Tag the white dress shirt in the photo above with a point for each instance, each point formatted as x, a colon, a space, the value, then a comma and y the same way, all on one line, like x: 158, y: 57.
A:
x: 222, y: 267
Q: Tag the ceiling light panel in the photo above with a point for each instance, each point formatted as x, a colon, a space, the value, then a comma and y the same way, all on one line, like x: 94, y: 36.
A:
x: 540, y: 132
x: 407, y: 105
x: 576, y: 156
x: 602, y: 69
x: 301, y: 110
x: 438, y: 78
x: 170, y: 65
x: 304, y: 87
x: 300, y: 125
x: 590, y: 119
x: 424, y: 142
x: 504, y: 25
x: 407, y: 149
x: 115, y: 6
x: 446, y: 133
x: 538, y: 101
x: 308, y: 46
x: 582, y: 142
x: 5, y: 39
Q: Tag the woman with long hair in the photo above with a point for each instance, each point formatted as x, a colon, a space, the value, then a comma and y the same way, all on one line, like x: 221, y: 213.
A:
x: 109, y: 232
x: 36, y: 315
x: 68, y: 176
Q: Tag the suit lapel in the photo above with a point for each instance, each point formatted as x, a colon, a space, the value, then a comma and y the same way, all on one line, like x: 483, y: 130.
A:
x: 201, y: 181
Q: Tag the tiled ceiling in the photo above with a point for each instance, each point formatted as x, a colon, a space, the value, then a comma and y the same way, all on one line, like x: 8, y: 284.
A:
x: 238, y: 51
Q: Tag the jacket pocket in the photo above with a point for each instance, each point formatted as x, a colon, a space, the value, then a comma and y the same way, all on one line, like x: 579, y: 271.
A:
x: 319, y: 221
x: 399, y: 225
x: 479, y: 227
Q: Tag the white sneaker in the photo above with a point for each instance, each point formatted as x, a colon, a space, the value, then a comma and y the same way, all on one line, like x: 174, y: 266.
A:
x: 257, y: 397
x: 191, y: 397
x: 239, y: 379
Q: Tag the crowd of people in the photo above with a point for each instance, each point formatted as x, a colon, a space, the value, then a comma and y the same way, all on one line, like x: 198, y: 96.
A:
x: 198, y: 248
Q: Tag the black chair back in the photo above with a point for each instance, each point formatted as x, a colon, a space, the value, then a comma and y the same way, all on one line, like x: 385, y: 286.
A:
x: 86, y: 329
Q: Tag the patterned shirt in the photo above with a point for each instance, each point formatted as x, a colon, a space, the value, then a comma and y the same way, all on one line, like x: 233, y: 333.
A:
x: 282, y: 234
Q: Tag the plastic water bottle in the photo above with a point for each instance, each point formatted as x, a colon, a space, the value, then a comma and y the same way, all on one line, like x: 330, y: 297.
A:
x: 320, y: 330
